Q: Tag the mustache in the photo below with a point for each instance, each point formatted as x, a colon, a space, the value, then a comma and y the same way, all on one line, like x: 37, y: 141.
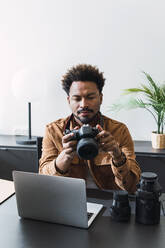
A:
x: 84, y: 109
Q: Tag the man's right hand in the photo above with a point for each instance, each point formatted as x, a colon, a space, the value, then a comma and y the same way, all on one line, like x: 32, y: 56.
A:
x: 65, y: 158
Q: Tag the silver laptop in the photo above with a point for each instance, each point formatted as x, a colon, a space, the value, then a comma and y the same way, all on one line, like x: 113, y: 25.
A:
x: 54, y: 199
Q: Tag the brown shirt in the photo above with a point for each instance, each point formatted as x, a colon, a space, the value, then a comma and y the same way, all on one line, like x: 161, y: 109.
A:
x: 103, y: 172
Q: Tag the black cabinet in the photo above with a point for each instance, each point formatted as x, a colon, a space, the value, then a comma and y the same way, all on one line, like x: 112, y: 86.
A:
x: 151, y: 160
x: 16, y: 157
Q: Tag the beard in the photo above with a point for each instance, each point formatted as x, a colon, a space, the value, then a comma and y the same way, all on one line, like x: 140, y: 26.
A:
x: 85, y: 119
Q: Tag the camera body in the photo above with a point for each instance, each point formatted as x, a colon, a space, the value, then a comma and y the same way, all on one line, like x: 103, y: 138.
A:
x: 147, y: 199
x: 87, y: 146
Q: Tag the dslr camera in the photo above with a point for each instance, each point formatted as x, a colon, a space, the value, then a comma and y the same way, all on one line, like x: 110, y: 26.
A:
x: 87, y: 146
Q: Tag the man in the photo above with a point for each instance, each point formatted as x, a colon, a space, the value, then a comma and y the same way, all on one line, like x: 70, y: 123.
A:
x: 115, y: 166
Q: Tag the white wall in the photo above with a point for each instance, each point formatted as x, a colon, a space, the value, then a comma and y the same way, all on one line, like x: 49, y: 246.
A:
x: 121, y: 37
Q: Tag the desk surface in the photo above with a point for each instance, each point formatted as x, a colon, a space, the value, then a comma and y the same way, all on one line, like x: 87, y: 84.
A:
x: 6, y: 189
x: 9, y: 141
x: 145, y: 148
x: 17, y: 233
x: 142, y: 147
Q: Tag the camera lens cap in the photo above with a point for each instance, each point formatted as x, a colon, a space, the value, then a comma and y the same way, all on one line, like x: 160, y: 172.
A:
x: 120, y: 195
x: 149, y: 175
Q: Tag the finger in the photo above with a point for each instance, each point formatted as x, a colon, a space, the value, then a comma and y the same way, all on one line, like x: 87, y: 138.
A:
x: 102, y: 134
x: 76, y: 128
x: 68, y: 150
x: 105, y: 147
x: 106, y: 139
x: 67, y: 137
x: 71, y: 144
x: 99, y: 127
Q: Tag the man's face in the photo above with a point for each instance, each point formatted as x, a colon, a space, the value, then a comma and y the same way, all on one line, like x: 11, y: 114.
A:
x: 84, y: 100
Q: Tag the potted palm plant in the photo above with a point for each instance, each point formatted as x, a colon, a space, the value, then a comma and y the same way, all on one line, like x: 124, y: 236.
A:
x: 150, y: 97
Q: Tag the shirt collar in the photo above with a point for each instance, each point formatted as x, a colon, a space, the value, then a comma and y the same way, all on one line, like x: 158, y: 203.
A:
x: 71, y: 121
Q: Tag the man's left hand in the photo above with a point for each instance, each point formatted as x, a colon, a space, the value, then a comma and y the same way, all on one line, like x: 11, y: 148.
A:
x: 107, y: 143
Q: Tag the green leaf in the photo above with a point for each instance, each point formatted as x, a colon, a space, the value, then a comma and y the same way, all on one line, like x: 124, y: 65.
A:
x: 150, y: 97
x: 132, y: 90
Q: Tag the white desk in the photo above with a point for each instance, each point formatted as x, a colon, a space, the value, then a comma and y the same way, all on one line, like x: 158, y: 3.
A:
x: 6, y: 189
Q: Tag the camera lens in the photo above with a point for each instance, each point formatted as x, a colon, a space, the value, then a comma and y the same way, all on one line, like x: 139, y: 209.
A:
x: 87, y: 148
x: 147, y: 199
x: 120, y: 209
x: 148, y: 181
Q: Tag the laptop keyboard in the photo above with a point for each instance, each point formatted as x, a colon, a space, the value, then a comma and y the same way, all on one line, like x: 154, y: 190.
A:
x: 89, y: 215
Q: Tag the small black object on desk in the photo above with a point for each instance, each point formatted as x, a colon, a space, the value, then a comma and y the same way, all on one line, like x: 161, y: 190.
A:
x: 27, y: 140
x: 147, y: 199
x: 120, y: 209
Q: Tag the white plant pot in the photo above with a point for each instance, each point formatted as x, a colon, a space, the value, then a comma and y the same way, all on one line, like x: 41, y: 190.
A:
x: 158, y: 140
